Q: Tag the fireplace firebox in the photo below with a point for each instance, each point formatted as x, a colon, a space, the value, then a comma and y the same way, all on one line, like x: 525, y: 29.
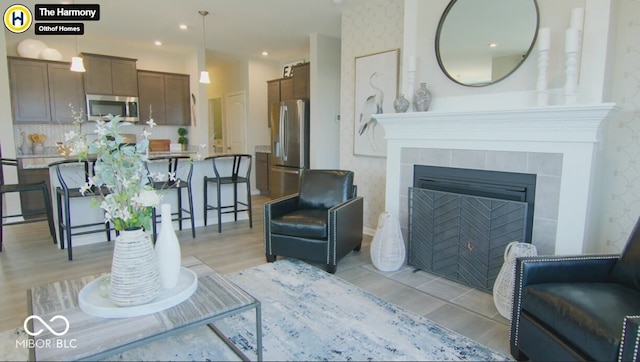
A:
x: 492, y: 184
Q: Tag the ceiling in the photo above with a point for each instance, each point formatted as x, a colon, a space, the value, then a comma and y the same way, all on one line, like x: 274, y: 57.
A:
x: 244, y: 28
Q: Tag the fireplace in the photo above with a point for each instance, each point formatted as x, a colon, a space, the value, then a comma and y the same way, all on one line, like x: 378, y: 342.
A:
x: 499, y: 185
x: 558, y: 144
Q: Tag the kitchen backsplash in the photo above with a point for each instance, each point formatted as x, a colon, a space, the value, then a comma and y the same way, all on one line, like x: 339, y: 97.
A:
x: 55, y: 132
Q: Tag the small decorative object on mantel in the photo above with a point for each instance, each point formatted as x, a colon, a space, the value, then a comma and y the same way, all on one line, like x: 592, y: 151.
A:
x: 168, y: 250
x: 543, y: 64
x: 387, y: 246
x: 401, y: 104
x: 121, y: 182
x: 422, y: 98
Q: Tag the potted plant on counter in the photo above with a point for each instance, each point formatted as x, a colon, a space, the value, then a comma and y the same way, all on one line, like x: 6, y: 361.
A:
x: 182, y: 138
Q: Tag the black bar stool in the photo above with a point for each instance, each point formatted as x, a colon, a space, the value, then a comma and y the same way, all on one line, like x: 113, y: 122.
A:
x: 37, y: 216
x: 74, y: 175
x: 183, y: 181
x: 229, y: 170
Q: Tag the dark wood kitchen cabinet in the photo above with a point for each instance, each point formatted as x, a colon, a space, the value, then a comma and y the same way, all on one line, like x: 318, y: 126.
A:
x: 41, y: 90
x: 65, y: 87
x: 300, y: 86
x: 110, y: 75
x: 285, y: 89
x: 262, y: 172
x: 168, y: 96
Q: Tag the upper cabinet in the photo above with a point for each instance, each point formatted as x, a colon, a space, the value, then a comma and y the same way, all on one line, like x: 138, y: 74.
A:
x: 110, y: 75
x: 293, y: 87
x: 41, y: 90
x: 166, y: 95
x: 301, y: 80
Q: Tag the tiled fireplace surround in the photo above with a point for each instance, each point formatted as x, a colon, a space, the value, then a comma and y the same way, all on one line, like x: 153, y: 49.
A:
x: 558, y: 144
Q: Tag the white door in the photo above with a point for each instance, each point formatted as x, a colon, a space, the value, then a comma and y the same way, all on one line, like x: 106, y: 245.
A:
x: 236, y: 123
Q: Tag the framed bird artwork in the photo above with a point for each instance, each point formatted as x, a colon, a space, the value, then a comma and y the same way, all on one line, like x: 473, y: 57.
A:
x: 376, y: 87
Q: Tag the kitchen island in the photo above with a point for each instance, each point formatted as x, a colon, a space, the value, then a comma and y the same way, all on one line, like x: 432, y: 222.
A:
x: 84, y: 212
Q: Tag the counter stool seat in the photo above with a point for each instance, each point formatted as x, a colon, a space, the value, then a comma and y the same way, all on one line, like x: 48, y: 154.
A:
x: 69, y: 190
x: 173, y: 165
x: 233, y: 169
x: 28, y: 217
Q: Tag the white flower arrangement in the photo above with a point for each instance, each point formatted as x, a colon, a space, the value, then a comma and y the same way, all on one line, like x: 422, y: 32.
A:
x: 121, y: 179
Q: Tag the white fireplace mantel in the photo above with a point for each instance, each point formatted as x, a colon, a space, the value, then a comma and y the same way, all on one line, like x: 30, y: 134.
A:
x: 572, y: 131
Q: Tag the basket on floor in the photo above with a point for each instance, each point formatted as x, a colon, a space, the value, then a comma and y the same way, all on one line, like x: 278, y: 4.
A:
x: 503, y: 287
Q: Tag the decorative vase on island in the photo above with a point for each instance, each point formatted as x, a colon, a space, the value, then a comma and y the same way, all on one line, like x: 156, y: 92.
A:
x: 422, y: 98
x: 134, y: 276
x: 24, y: 147
x: 401, y: 104
x: 38, y: 148
x: 167, y: 250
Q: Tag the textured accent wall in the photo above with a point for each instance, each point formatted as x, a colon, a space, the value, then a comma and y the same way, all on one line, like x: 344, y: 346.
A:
x: 620, y: 196
x: 369, y: 29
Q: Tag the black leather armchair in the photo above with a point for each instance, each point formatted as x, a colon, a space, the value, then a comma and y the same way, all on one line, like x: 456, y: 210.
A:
x: 578, y: 307
x: 322, y: 223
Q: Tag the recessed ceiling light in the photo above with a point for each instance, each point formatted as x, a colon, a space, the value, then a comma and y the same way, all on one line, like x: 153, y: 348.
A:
x: 265, y: 53
x: 157, y: 42
x: 492, y: 45
x: 183, y: 26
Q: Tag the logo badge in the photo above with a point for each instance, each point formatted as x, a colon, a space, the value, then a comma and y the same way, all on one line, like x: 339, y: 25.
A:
x: 45, y: 324
x: 17, y: 18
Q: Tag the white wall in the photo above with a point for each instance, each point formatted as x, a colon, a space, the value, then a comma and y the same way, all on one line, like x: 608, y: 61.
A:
x: 325, y: 89
x: 374, y: 26
x: 619, y: 204
x: 10, y: 202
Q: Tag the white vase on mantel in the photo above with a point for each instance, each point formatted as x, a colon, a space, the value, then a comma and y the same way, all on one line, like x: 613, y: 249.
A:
x: 167, y: 250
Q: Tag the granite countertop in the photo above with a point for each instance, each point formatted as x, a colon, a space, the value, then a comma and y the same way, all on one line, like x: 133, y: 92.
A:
x: 263, y: 148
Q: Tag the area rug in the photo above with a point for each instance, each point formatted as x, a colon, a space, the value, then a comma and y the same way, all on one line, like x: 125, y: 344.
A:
x: 310, y: 315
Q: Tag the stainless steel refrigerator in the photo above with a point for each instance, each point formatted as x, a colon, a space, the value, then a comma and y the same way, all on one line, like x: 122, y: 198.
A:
x: 289, y: 122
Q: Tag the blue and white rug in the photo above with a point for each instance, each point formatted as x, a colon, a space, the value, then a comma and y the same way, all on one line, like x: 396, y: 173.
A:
x: 310, y: 315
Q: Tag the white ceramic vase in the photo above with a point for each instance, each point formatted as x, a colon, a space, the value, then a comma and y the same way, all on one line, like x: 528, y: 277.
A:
x: 134, y: 276
x: 168, y: 250
x: 387, y: 247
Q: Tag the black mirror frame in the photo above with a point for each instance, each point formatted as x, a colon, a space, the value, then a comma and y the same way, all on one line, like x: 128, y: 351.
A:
x: 439, y: 58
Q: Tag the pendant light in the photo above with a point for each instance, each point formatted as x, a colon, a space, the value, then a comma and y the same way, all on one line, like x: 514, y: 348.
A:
x: 76, y: 62
x: 204, y: 75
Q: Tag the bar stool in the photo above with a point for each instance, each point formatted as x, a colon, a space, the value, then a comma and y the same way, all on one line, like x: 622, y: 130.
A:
x: 170, y: 164
x: 72, y: 174
x: 42, y: 215
x: 229, y: 170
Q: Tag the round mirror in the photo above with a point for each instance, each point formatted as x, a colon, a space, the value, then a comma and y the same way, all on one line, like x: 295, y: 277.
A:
x: 479, y: 43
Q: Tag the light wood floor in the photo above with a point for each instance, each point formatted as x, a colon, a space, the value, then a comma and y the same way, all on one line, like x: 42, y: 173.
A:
x: 30, y: 258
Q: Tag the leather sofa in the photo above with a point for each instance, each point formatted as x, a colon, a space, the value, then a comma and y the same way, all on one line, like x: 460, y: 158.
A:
x: 578, y: 307
x: 322, y: 223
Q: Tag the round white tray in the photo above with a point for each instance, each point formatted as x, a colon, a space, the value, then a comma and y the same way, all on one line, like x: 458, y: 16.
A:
x: 91, y: 302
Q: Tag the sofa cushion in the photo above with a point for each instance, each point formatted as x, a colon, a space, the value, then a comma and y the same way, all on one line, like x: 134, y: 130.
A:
x: 586, y: 315
x: 626, y: 271
x: 304, y: 223
x: 324, y: 189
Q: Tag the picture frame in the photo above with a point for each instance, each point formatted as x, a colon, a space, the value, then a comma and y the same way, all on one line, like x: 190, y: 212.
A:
x: 375, y: 87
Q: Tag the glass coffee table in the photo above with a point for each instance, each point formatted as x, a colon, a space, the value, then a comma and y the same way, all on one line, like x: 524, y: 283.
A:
x: 62, y: 331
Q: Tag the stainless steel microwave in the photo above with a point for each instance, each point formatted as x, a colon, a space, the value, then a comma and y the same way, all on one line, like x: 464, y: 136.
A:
x: 99, y: 106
